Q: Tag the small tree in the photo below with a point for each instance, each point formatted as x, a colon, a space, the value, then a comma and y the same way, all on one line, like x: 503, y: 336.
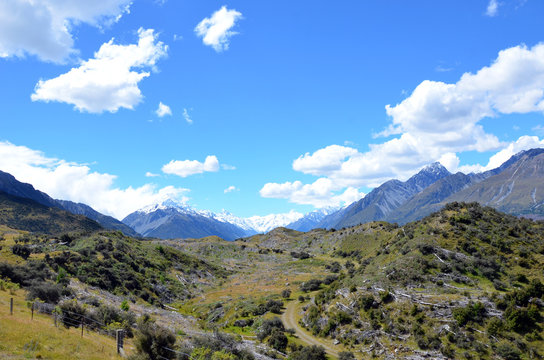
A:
x: 286, y: 293
x: 278, y: 340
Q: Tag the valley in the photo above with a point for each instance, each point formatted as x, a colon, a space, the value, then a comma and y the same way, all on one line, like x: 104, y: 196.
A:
x: 463, y: 282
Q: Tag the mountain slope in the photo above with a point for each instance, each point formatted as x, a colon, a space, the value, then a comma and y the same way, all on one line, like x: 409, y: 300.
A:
x: 517, y: 190
x: 429, y: 200
x: 107, y: 222
x: 389, y: 196
x: 26, y: 214
x: 10, y: 185
x: 169, y: 220
x: 488, y: 188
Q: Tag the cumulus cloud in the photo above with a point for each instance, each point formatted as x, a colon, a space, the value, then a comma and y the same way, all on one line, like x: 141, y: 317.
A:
x: 187, y: 117
x: 150, y: 174
x: 320, y: 193
x: 43, y: 28
x: 77, y: 182
x: 108, y: 81
x: 163, y: 110
x: 215, y: 31
x: 523, y: 143
x: 230, y: 189
x: 492, y: 8
x: 323, y: 161
x: 184, y: 168
x: 434, y: 123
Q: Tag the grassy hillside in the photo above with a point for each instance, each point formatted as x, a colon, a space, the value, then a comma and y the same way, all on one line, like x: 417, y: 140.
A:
x: 26, y: 214
x: 23, y: 338
x: 113, y: 262
x: 462, y: 283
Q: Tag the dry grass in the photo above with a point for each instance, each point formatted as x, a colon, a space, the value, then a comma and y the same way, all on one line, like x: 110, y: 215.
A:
x: 23, y: 338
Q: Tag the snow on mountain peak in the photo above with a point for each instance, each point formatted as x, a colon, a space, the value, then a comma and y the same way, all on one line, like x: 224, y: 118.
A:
x: 259, y: 224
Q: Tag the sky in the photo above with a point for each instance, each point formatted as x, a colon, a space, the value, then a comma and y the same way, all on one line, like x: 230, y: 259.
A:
x: 262, y: 107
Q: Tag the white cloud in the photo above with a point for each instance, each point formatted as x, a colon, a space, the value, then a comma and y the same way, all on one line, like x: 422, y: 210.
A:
x: 523, y: 143
x: 323, y: 161
x: 150, y: 174
x: 187, y: 117
x: 215, y: 31
x: 492, y: 8
x: 186, y: 168
x: 77, y: 182
x: 320, y: 194
x: 163, y: 110
x: 434, y: 123
x: 230, y: 189
x: 43, y: 28
x: 108, y: 81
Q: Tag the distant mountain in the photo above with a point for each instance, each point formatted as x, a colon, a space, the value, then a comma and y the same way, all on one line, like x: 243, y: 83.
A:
x: 170, y: 220
x: 518, y: 189
x: 107, y: 222
x: 312, y: 219
x: 263, y: 224
x: 26, y: 214
x: 386, y: 198
x: 508, y: 188
x: 10, y: 185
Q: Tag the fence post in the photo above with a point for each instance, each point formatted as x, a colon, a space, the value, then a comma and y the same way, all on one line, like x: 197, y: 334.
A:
x: 55, y: 314
x: 119, y: 335
x: 11, y: 306
x: 81, y: 327
x: 32, y: 312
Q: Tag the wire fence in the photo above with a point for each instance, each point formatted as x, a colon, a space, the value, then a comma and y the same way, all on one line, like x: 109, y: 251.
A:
x: 85, y: 323
x: 76, y: 320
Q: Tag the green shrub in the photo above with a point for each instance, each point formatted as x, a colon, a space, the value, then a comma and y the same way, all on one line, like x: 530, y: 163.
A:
x: 345, y: 355
x: 278, y: 340
x: 152, y: 340
x: 268, y: 326
x: 507, y: 351
x: 311, y: 285
x: 474, y: 312
x: 72, y: 313
x: 494, y: 326
x: 45, y: 291
x: 21, y: 250
x: 286, y: 293
x: 309, y: 353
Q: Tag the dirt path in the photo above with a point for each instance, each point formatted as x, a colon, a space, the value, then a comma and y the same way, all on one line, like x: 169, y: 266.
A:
x: 289, y: 318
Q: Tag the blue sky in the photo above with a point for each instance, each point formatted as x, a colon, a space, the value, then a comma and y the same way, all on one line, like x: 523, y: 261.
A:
x: 286, y: 100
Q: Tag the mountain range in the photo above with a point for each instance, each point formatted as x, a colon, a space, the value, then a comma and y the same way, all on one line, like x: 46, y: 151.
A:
x: 172, y: 219
x: 10, y: 185
x: 516, y: 187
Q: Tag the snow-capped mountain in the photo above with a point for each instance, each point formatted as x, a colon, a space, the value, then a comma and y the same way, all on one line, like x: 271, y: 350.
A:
x: 173, y: 219
x: 311, y: 219
x: 263, y: 224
